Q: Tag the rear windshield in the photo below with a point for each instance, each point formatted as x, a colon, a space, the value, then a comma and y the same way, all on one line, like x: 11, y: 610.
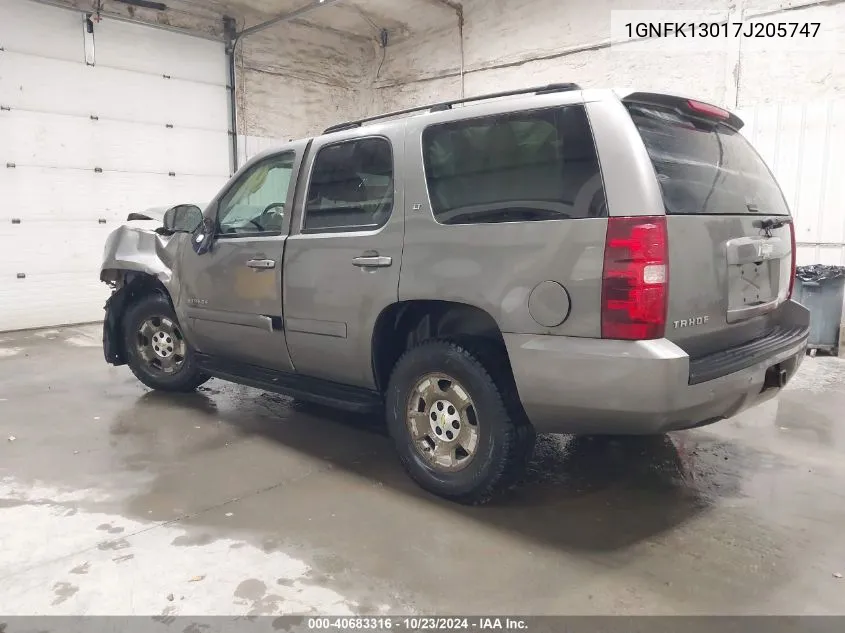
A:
x: 706, y: 167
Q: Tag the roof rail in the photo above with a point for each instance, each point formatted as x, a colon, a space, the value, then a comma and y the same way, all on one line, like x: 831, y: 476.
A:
x: 447, y: 105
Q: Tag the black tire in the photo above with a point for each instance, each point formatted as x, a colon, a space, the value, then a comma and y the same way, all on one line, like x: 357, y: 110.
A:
x: 505, y: 438
x: 187, y: 378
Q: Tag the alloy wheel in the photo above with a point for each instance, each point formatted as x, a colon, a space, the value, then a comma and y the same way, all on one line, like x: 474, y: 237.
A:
x: 442, y: 421
x: 160, y: 343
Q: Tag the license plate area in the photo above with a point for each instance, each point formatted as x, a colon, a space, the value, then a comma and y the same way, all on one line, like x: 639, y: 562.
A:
x: 751, y: 284
x: 756, y: 281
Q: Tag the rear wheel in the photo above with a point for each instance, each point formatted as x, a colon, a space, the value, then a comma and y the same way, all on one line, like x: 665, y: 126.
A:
x: 457, y: 429
x: 156, y: 351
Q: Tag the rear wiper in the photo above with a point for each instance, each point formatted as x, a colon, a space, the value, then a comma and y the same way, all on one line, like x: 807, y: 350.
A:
x: 771, y: 224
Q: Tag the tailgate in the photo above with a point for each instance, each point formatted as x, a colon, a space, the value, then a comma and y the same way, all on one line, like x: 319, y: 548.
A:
x: 728, y: 280
x: 729, y: 230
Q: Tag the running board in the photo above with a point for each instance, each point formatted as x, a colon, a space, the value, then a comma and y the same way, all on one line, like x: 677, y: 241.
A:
x: 316, y: 390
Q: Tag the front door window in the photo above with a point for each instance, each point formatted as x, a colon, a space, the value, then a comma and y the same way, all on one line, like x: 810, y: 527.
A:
x: 256, y: 204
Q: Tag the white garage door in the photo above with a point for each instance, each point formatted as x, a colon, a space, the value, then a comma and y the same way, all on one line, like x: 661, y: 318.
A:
x: 93, y: 127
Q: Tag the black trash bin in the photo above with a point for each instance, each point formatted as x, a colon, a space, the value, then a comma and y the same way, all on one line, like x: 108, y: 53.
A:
x: 821, y: 289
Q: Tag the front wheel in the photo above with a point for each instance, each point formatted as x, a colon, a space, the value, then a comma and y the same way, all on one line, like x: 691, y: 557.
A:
x: 456, y: 422
x: 156, y: 351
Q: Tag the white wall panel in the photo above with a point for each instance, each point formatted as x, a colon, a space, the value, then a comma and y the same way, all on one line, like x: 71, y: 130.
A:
x: 76, y: 246
x: 71, y: 87
x: 53, y: 299
x: 40, y: 30
x: 58, y: 141
x: 42, y: 195
x: 120, y: 45
x: 809, y: 183
x: 786, y: 162
x: 158, y: 52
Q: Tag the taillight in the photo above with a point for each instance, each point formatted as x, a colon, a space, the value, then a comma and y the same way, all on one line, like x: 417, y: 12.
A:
x: 635, y: 281
x: 793, y: 255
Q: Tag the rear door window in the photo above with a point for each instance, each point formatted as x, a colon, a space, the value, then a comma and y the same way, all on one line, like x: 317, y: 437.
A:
x: 351, y: 186
x: 524, y: 166
x: 705, y: 167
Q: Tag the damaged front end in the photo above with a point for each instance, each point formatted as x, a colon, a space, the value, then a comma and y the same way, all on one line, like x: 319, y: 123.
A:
x: 138, y: 259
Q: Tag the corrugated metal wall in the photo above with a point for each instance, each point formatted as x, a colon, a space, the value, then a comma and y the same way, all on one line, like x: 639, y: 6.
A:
x: 804, y: 144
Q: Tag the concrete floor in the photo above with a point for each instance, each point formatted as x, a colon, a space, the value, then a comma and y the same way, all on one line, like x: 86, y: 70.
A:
x: 116, y: 500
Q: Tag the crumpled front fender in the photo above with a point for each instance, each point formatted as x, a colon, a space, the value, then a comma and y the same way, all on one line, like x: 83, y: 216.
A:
x: 136, y: 259
x: 137, y: 247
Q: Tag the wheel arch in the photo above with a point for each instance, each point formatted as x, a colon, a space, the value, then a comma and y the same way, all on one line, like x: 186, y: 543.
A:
x: 130, y: 286
x: 405, y: 324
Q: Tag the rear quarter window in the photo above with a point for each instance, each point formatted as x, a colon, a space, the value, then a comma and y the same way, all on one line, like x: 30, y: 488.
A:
x: 525, y: 166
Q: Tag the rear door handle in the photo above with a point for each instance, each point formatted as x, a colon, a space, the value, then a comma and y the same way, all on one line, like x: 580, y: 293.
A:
x: 261, y: 264
x: 372, y: 261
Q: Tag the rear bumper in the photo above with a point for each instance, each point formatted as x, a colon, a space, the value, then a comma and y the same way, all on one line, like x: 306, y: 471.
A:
x: 590, y: 386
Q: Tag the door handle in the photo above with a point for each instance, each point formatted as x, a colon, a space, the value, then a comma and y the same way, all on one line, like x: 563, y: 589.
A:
x: 261, y: 264
x: 372, y: 261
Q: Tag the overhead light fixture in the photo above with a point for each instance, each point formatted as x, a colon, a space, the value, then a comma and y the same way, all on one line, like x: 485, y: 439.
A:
x: 146, y: 4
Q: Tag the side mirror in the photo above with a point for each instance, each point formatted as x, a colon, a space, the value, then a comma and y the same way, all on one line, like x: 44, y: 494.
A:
x: 183, y: 218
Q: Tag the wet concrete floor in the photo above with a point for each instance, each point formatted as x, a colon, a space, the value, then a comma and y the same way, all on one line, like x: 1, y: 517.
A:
x: 117, y: 500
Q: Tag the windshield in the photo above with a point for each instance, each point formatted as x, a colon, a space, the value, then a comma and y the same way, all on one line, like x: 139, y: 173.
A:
x: 705, y: 167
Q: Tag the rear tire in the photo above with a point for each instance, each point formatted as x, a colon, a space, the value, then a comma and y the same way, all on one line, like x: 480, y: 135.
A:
x: 456, y: 422
x: 156, y: 351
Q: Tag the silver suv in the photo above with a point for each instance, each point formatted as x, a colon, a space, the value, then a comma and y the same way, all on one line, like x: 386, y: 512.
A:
x: 547, y: 260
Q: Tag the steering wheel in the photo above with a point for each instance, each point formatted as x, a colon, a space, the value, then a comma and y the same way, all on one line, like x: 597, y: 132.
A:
x: 271, y: 206
x: 259, y: 222
x: 269, y: 219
